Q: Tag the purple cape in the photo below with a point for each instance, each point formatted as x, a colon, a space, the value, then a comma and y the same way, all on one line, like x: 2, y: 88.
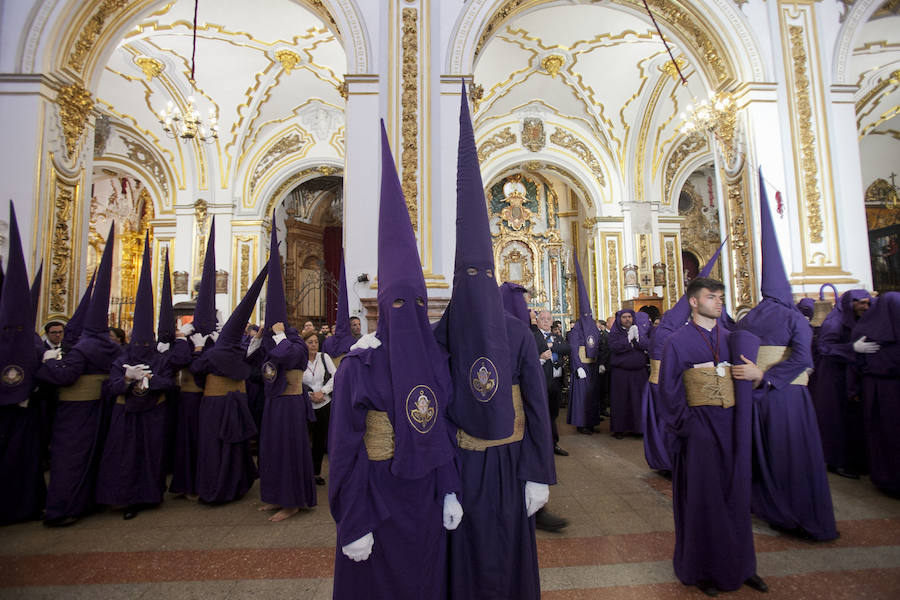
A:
x: 628, y: 375
x: 513, y: 296
x: 339, y: 343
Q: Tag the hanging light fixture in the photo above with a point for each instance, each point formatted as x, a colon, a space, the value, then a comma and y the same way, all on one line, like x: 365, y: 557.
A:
x: 716, y: 116
x: 187, y: 124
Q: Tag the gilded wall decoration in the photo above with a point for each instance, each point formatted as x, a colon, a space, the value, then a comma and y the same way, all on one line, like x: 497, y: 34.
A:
x: 671, y: 277
x: 151, y: 67
x: 739, y: 238
x: 180, y: 282
x: 811, y: 194
x: 102, y: 129
x: 245, y: 269
x: 139, y: 154
x: 75, y: 105
x: 61, y: 247
x: 288, y: 59
x: 882, y: 192
x: 612, y: 268
x: 700, y: 229
x: 296, y: 179
x: 884, y: 87
x: 570, y: 142
x: 409, y: 113
x: 90, y: 33
x: 552, y: 64
x: 671, y: 69
x: 285, y: 146
x: 533, y: 137
x: 688, y: 146
x: 221, y: 281
x: 503, y: 138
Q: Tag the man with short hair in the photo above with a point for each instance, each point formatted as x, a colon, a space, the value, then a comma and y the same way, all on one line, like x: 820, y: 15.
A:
x: 551, y: 349
x: 706, y: 405
x: 53, y: 335
x: 355, y: 327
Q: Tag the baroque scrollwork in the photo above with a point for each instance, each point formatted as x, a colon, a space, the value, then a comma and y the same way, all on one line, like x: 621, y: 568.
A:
x: 612, y: 259
x: 570, y: 142
x: 289, y: 144
x: 503, y: 138
x: 739, y: 239
x: 142, y: 156
x: 91, y: 32
x: 690, y: 145
x: 61, y: 248
x: 409, y: 115
x: 75, y: 105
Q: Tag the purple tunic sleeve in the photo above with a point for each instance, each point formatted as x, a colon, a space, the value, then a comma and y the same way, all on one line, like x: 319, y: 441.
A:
x: 180, y: 353
x: 832, y: 343
x: 536, y: 459
x: 65, y: 371
x: 576, y: 342
x: 885, y: 362
x: 290, y: 354
x: 356, y: 503
x: 783, y: 373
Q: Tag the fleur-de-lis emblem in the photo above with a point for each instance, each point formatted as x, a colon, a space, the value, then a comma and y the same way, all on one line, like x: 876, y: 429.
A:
x: 12, y: 376
x: 483, y: 380
x: 590, y: 341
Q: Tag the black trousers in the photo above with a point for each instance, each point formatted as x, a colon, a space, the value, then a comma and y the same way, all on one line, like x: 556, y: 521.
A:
x: 554, y: 395
x: 318, y: 434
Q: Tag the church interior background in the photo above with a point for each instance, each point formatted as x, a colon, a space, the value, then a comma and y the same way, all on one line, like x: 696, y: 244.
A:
x: 579, y: 113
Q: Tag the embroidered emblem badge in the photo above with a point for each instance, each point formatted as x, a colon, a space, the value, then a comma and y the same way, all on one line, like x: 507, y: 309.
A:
x: 421, y: 408
x: 590, y: 341
x: 269, y: 371
x: 483, y: 379
x: 12, y: 376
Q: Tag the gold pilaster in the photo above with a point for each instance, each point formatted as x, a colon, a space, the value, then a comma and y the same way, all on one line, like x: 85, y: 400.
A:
x: 740, y: 236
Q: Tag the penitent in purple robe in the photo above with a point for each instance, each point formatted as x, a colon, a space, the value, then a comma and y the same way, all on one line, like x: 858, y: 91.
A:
x: 790, y: 482
x: 286, y: 476
x: 710, y: 448
x: 584, y: 394
x: 187, y: 420
x: 628, y: 377
x: 132, y: 466
x: 880, y: 390
x: 840, y: 418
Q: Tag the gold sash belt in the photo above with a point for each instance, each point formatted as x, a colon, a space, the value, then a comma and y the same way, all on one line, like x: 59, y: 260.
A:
x: 120, y: 399
x: 294, y: 385
x: 772, y: 355
x: 703, y: 387
x: 654, y: 370
x: 86, y: 387
x: 216, y: 385
x: 379, y: 436
x: 469, y: 442
x: 583, y: 357
x: 188, y: 383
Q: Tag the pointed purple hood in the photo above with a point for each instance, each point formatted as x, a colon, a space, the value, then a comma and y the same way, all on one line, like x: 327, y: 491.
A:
x: 205, y: 309
x: 474, y: 322
x: 775, y: 284
x: 881, y: 323
x: 75, y: 325
x: 807, y: 307
x: 586, y: 325
x: 18, y: 358
x: 680, y: 312
x: 419, y: 391
x: 340, y: 342
x: 514, y: 303
x: 142, y: 345
x: 96, y: 322
x: 36, y: 289
x: 165, y: 328
x: 276, y: 307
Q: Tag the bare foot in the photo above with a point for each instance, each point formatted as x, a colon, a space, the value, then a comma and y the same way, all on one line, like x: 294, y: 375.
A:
x: 284, y: 513
x: 192, y: 496
x: 266, y: 507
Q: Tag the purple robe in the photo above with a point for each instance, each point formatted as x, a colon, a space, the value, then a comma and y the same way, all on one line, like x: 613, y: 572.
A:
x: 132, y: 466
x: 20, y: 464
x: 584, y: 394
x: 286, y: 476
x: 790, y: 482
x: 628, y: 378
x: 493, y: 553
x: 187, y: 424
x: 409, y: 556
x: 710, y: 447
x: 225, y: 468
x: 76, y: 441
x: 839, y: 416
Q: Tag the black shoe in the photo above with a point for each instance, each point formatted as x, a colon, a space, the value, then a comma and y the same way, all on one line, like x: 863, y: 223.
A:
x: 547, y: 521
x: 619, y: 435
x: 586, y: 430
x: 605, y: 412
x: 601, y: 419
x: 845, y: 473
x: 60, y: 522
x: 559, y: 451
x: 130, y: 513
x: 708, y: 588
x: 757, y: 583
x: 320, y: 480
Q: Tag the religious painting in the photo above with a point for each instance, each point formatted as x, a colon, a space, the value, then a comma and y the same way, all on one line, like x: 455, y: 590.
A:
x: 884, y: 244
x: 659, y: 274
x: 517, y: 264
x: 631, y: 275
x: 180, y: 282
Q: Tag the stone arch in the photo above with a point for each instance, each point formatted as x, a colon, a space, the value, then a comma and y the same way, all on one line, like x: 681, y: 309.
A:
x: 688, y: 20
x: 280, y: 186
x: 857, y: 16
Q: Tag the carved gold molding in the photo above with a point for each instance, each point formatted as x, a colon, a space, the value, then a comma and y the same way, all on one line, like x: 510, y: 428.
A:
x: 671, y: 276
x: 288, y: 59
x: 737, y: 190
x: 285, y: 146
x: 75, y: 105
x: 90, y: 33
x: 612, y: 264
x: 503, y: 138
x: 689, y: 145
x: 150, y: 66
x: 61, y: 245
x: 570, y: 142
x: 808, y: 163
x: 552, y: 64
x: 409, y: 115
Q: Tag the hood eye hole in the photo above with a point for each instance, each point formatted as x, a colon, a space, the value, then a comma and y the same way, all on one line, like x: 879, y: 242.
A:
x: 398, y: 303
x: 489, y: 273
x: 472, y: 271
x: 420, y: 301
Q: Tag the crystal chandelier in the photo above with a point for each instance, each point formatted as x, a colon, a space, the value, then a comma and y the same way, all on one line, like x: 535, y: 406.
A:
x: 186, y: 124
x: 716, y: 116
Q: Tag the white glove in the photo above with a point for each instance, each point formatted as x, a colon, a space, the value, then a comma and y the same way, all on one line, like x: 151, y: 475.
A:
x: 53, y: 354
x: 162, y: 347
x: 581, y: 373
x: 360, y: 549
x: 133, y: 372
x: 633, y: 333
x: 214, y: 335
x: 453, y: 512
x: 861, y: 346
x: 255, y: 343
x: 198, y: 339
x: 367, y: 341
x: 187, y: 329
x: 278, y: 337
x: 601, y: 369
x: 536, y: 496
x: 145, y: 381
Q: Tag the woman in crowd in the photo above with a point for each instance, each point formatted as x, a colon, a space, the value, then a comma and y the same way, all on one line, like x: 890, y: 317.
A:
x: 318, y: 378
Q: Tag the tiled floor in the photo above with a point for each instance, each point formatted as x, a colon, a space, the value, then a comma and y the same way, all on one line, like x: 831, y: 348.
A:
x: 618, y: 544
